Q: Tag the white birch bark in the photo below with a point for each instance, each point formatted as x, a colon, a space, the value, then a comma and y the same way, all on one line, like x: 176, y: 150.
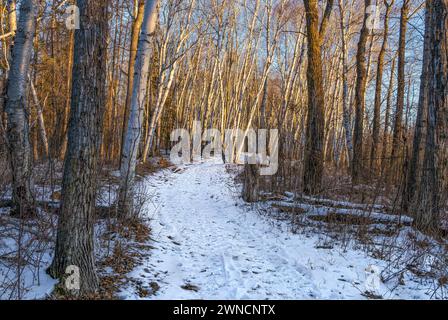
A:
x: 17, y: 113
x: 40, y: 119
x: 134, y: 130
x: 166, y: 74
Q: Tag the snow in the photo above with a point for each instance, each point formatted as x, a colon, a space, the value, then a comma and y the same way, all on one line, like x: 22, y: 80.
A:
x: 209, y: 244
x: 319, y: 210
x: 206, y: 237
x: 342, y: 203
x: 34, y: 281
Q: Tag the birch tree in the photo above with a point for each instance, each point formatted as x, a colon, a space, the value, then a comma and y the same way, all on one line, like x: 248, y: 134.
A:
x: 134, y: 128
x: 40, y: 119
x: 18, y: 113
x: 139, y: 6
x: 170, y: 53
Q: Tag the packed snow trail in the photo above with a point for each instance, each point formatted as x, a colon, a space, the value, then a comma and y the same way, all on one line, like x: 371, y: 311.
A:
x: 210, y: 245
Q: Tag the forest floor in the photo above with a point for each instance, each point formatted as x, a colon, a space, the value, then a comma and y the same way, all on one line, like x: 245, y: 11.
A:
x: 197, y: 239
x: 209, y: 244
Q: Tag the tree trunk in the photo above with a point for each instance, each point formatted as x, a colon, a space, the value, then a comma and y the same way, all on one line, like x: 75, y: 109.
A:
x: 134, y: 129
x: 136, y: 27
x: 360, y: 91
x: 374, y: 153
x: 347, y: 122
x: 12, y: 17
x: 415, y: 165
x: 18, y: 113
x: 251, y: 183
x: 398, y: 137
x: 67, y: 97
x: 315, y: 129
x: 432, y: 195
x: 74, y: 243
x: 40, y: 119
x: 385, y: 160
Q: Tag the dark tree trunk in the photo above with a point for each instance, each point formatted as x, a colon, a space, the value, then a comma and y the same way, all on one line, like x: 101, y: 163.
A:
x: 251, y: 183
x: 432, y: 195
x: 74, y: 245
x: 415, y: 164
x: 360, y: 92
x: 315, y: 128
x: 17, y: 111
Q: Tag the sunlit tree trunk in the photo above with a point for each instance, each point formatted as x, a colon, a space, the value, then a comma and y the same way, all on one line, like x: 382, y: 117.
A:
x: 315, y: 128
x: 68, y: 96
x: 136, y: 27
x: 347, y: 122
x: 360, y: 92
x: 40, y: 119
x: 134, y: 127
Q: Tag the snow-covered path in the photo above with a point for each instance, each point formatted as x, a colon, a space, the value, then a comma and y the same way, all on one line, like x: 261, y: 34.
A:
x: 208, y: 240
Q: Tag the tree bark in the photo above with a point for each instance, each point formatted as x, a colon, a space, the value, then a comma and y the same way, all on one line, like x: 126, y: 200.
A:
x: 385, y: 160
x: 398, y: 137
x: 18, y: 113
x: 136, y: 27
x: 374, y: 153
x: 75, y: 243
x: 360, y: 91
x: 67, y: 98
x: 347, y: 122
x: 12, y: 17
x: 315, y: 129
x: 415, y: 165
x: 431, y: 200
x: 251, y: 183
x: 40, y: 119
x: 134, y: 129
